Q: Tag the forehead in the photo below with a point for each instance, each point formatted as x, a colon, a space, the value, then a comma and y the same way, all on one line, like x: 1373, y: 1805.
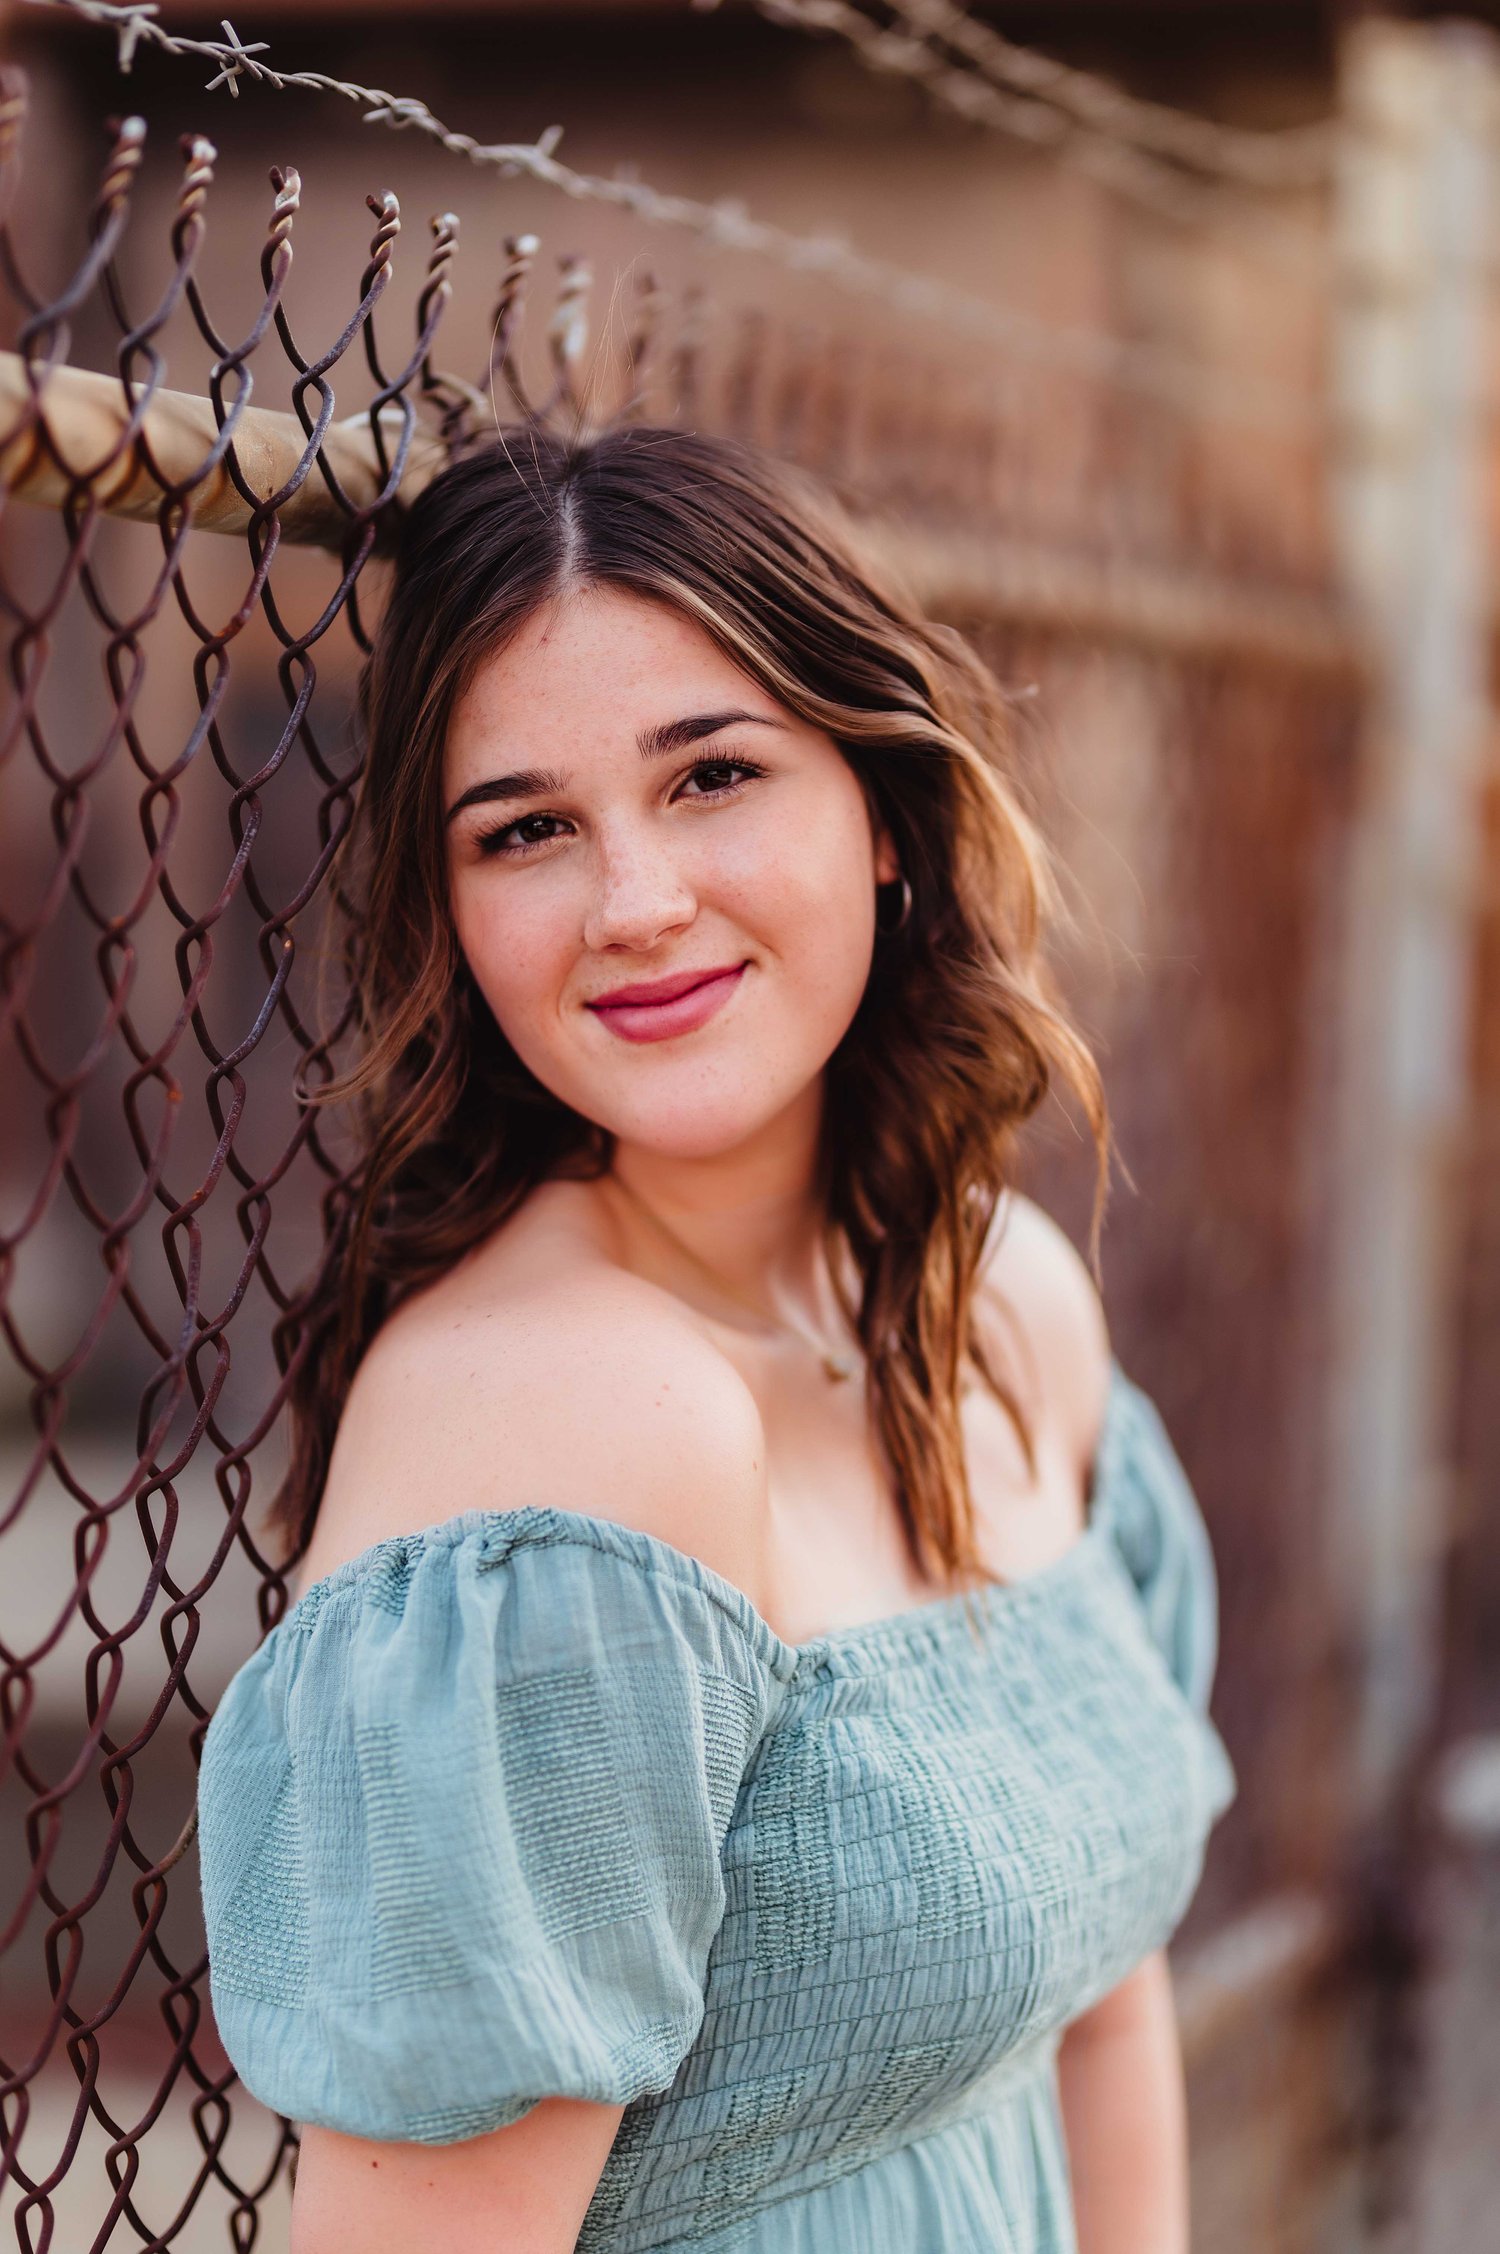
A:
x: 597, y: 656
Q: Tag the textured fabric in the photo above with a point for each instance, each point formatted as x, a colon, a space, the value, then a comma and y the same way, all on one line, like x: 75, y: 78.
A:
x: 530, y: 1803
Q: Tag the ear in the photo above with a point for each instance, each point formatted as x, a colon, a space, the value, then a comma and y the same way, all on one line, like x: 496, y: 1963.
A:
x: 887, y: 860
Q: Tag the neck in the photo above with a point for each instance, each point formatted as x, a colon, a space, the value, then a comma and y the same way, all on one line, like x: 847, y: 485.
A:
x: 751, y: 1215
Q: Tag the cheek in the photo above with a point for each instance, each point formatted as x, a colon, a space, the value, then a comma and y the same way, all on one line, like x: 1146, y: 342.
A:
x: 805, y: 886
x: 516, y: 949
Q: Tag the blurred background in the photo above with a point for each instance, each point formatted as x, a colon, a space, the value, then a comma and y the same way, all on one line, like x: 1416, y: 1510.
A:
x: 1158, y: 346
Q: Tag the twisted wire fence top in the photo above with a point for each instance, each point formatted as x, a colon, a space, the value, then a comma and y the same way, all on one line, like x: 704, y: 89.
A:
x: 1287, y: 157
x: 969, y: 70
x: 180, y: 769
x: 727, y: 225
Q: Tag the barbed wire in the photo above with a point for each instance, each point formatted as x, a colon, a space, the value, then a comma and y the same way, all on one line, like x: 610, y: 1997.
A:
x: 1184, y: 384
x: 1285, y: 158
x: 1117, y: 163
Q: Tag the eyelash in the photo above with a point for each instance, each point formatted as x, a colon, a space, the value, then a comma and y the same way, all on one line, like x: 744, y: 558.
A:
x: 492, y: 848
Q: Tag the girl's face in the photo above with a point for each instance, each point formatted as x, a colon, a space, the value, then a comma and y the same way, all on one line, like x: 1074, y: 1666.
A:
x: 662, y: 880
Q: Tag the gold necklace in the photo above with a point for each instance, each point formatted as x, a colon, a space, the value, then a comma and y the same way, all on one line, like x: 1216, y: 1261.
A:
x: 838, y: 1367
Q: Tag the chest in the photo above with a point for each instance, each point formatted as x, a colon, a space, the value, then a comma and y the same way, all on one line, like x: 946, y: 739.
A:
x: 835, y: 1550
x: 962, y: 1849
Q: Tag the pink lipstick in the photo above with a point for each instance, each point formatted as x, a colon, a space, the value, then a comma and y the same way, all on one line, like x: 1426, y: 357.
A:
x: 656, y: 1009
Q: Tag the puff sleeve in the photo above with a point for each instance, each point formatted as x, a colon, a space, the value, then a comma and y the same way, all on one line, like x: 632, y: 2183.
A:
x: 460, y: 1822
x: 1154, y: 1519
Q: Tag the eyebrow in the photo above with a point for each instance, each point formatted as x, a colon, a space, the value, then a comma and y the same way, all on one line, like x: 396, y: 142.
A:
x: 658, y: 742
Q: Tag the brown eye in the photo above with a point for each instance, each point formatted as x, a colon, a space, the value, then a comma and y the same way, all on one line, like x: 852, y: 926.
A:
x: 516, y: 837
x: 719, y: 777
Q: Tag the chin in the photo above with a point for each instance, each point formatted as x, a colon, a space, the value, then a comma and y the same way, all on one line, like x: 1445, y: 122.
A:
x: 704, y: 1123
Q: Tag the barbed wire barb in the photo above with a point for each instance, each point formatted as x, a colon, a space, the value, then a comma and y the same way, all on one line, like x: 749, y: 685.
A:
x: 239, y: 57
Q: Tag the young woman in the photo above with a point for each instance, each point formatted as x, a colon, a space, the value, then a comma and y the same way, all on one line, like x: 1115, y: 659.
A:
x: 741, y: 1744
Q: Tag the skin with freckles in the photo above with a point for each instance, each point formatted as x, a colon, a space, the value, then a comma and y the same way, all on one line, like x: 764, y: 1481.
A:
x: 749, y: 852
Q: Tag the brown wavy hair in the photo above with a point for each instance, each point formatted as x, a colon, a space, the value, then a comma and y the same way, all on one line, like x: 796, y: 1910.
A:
x: 956, y: 1039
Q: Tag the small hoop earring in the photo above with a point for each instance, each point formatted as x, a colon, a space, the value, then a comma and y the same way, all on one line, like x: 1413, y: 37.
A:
x: 903, y: 918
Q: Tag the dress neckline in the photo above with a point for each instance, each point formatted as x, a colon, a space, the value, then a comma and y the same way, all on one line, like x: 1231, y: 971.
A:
x: 501, y: 1530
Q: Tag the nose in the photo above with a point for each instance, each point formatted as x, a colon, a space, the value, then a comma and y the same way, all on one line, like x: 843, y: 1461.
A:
x: 641, y: 894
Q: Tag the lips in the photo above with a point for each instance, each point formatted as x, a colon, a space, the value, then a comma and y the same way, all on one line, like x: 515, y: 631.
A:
x: 657, y: 1009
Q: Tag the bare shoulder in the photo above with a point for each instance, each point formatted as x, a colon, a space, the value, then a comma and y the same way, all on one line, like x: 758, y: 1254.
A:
x: 564, y: 1384
x: 1051, y: 1325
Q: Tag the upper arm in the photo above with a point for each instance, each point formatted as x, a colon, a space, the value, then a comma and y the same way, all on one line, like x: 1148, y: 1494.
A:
x: 1134, y: 2003
x: 539, y: 2174
x: 595, y: 1405
x: 419, y: 1922
x: 590, y: 1400
x: 1123, y: 2102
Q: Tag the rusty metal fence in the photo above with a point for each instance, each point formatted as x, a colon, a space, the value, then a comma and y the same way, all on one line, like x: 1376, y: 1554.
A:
x: 1135, y: 531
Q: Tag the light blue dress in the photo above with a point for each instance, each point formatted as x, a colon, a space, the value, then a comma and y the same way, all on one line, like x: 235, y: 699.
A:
x: 530, y: 1803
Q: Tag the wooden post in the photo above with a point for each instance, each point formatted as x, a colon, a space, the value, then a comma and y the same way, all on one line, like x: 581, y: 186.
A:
x: 1416, y: 196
